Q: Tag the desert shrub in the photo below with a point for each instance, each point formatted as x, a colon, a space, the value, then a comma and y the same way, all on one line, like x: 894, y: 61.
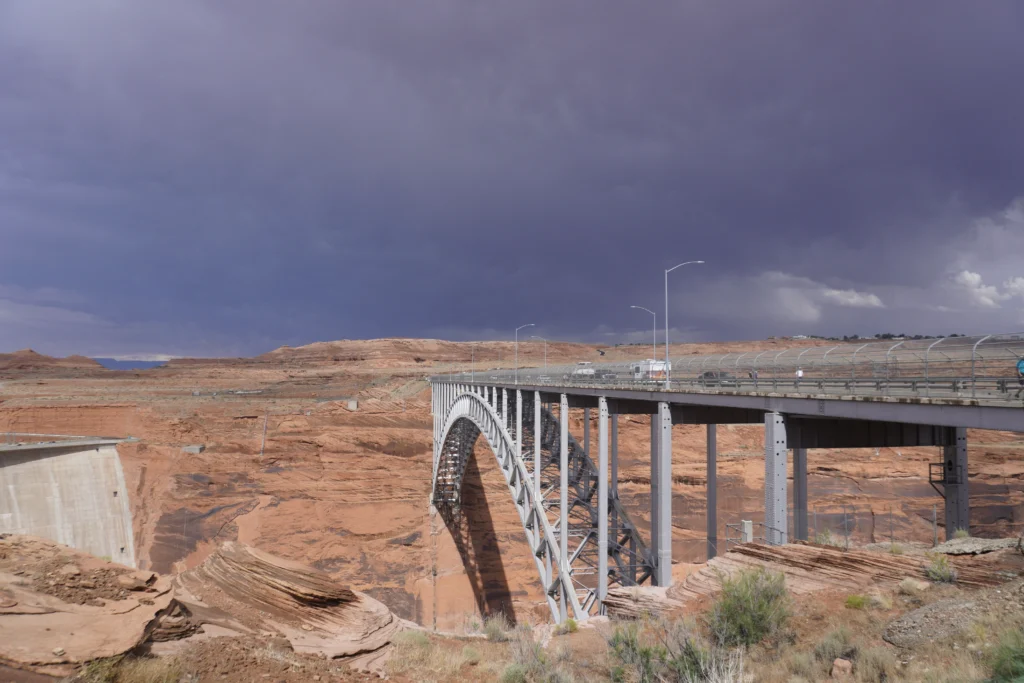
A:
x: 875, y: 665
x: 411, y: 638
x: 856, y: 601
x: 909, y: 586
x: 896, y: 549
x: 683, y: 654
x: 879, y: 601
x: 940, y: 570
x: 723, y: 667
x: 527, y: 653
x: 961, y: 533
x: 752, y: 606
x: 496, y: 628
x: 836, y: 644
x: 1007, y: 659
x: 825, y: 537
x: 635, y: 660
x: 568, y: 626
x: 471, y: 655
x: 514, y: 673
x: 803, y: 666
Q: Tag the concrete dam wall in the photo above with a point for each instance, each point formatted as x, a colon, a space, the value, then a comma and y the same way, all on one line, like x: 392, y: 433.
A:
x: 69, y: 492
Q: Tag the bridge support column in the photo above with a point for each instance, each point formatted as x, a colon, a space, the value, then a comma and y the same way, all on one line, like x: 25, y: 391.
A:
x: 663, y: 570
x: 537, y: 438
x: 602, y: 500
x: 800, y: 493
x: 519, y: 424
x: 655, y: 486
x: 614, y: 492
x: 586, y: 430
x: 775, y: 522
x: 563, y: 505
x: 958, y: 510
x: 712, y: 493
x: 504, y: 407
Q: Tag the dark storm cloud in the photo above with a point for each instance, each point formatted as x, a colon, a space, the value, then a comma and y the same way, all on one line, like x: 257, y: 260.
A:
x: 222, y: 177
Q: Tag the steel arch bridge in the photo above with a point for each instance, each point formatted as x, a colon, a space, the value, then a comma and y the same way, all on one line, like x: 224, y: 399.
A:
x: 579, y: 545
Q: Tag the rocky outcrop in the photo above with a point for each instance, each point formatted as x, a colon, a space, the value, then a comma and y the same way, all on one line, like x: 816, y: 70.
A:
x: 60, y: 608
x: 639, y: 602
x: 810, y: 568
x: 263, y: 592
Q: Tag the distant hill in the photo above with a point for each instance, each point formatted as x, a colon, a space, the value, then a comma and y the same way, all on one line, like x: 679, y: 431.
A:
x: 29, y: 360
x: 115, y: 364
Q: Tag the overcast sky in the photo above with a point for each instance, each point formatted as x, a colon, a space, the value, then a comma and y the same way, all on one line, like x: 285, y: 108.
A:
x: 221, y: 177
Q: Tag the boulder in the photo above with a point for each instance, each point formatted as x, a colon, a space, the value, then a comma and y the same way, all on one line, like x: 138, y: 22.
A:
x: 842, y: 669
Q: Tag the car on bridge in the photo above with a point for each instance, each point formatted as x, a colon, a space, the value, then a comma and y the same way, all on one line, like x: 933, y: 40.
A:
x: 584, y: 371
x: 717, y: 378
x: 649, y: 370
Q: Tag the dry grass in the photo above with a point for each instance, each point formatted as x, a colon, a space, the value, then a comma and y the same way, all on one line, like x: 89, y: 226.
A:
x: 497, y: 628
x: 131, y: 670
x: 415, y: 653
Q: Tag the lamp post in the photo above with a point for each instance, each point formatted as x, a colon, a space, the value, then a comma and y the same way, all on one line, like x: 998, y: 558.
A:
x: 654, y: 332
x: 517, y: 348
x: 668, y: 382
x: 533, y: 336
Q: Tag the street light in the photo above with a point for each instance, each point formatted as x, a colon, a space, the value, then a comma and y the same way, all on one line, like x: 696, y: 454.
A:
x: 533, y: 336
x: 517, y: 348
x: 654, y: 332
x: 668, y: 383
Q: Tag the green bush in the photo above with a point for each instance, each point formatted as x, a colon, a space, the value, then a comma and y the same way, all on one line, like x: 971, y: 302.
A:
x: 496, y: 627
x: 752, y: 606
x: 514, y: 673
x: 961, y: 533
x: 856, y: 602
x: 685, y: 656
x: 568, y: 626
x: 1007, y: 660
x: 835, y: 645
x: 940, y: 570
x: 896, y: 549
x: 635, y: 660
x: 471, y: 654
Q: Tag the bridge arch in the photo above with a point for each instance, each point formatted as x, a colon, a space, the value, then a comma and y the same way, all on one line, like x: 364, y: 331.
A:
x: 462, y: 414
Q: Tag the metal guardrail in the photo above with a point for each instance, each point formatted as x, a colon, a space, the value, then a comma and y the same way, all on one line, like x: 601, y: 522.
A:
x: 981, y: 367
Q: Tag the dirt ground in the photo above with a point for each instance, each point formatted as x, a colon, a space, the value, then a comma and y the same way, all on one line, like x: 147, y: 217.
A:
x: 289, y: 468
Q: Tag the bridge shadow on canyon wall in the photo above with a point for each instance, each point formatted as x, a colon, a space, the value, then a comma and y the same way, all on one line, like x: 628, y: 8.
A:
x: 473, y: 530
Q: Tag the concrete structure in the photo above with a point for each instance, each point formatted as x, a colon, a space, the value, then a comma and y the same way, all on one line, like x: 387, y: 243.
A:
x: 72, y: 492
x: 353, y: 404
x: 875, y: 400
x: 194, y: 449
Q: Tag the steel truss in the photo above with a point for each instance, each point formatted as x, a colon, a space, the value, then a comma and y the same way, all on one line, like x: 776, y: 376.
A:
x: 571, y: 582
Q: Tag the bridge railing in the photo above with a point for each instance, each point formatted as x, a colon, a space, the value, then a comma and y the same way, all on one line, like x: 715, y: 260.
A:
x: 981, y: 367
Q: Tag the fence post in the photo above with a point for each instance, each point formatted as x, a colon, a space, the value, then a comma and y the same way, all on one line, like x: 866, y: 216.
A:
x: 935, y: 526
